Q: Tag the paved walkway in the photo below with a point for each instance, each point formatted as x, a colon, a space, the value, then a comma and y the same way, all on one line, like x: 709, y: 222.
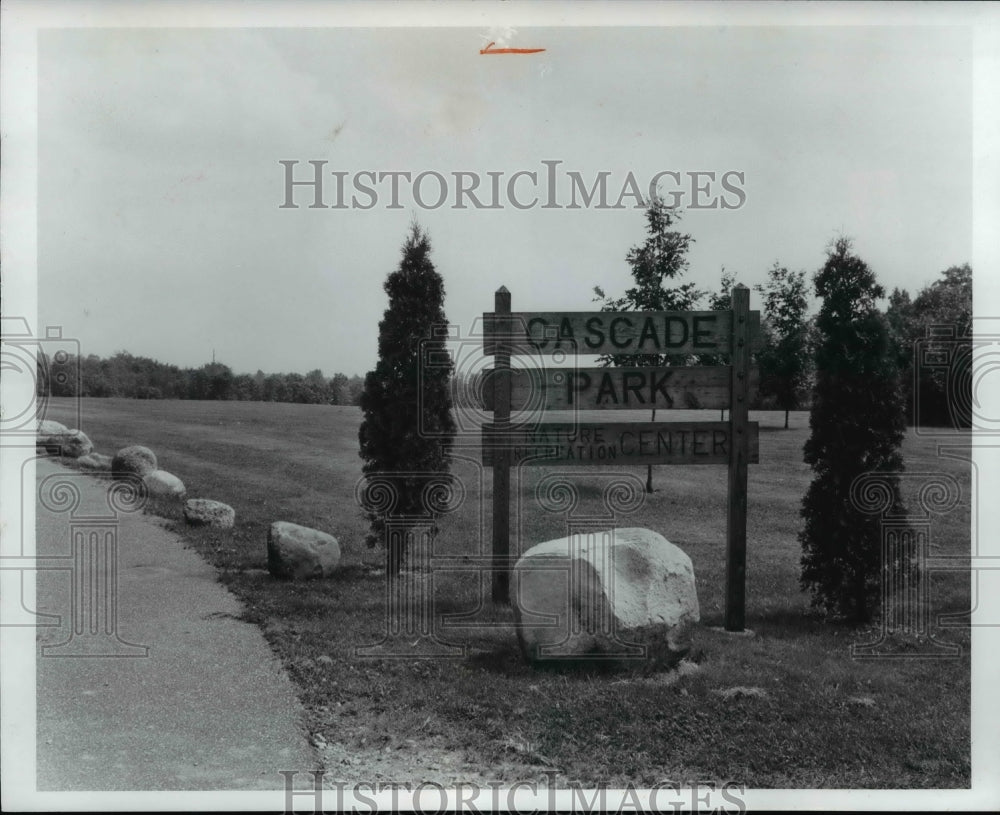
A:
x: 181, y: 695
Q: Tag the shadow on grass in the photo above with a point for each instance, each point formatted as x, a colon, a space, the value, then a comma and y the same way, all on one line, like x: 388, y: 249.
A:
x: 507, y: 659
x: 503, y: 658
x: 780, y: 623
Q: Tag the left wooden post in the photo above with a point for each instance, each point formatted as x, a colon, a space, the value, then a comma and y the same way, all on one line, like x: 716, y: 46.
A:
x: 501, y: 459
x: 736, y: 526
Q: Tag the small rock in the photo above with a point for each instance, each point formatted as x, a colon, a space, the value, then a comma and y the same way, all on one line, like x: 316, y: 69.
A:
x: 300, y: 553
x: 203, y: 512
x: 134, y: 460
x: 71, y: 443
x: 95, y: 461
x: 162, y: 484
x: 48, y: 427
x: 740, y: 691
x: 75, y: 444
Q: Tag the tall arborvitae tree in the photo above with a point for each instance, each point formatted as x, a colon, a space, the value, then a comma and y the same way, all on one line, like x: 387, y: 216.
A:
x: 408, y: 426
x: 857, y: 423
x: 784, y: 360
x: 656, y: 263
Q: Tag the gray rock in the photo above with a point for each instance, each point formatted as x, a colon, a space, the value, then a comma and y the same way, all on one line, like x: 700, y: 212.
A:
x: 604, y: 592
x: 300, y: 553
x: 95, y: 461
x: 134, y: 460
x: 162, y: 484
x: 72, y: 444
x: 48, y: 427
x: 203, y: 512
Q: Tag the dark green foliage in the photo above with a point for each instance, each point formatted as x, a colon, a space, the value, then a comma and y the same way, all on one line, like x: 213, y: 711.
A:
x: 784, y: 359
x: 655, y: 262
x: 721, y: 300
x: 408, y: 426
x: 857, y: 425
x: 935, y: 328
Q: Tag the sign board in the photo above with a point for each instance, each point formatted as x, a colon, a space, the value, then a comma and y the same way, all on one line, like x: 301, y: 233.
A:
x: 678, y: 387
x: 624, y: 443
x: 605, y: 332
x: 733, y: 333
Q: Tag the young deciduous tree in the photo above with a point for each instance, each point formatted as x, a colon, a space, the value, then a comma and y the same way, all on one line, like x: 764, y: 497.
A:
x: 721, y: 300
x: 784, y: 360
x: 408, y: 427
x: 655, y: 263
x: 857, y: 425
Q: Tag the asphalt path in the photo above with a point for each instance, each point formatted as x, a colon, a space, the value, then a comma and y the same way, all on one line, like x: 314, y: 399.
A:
x: 146, y: 678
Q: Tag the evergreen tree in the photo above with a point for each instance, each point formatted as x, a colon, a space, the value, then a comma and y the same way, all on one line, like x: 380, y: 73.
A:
x: 857, y: 425
x: 784, y: 360
x: 656, y: 262
x: 394, y: 436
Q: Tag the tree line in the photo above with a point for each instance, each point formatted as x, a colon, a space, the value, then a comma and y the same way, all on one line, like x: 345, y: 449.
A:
x: 930, y: 334
x: 929, y: 337
x: 134, y: 377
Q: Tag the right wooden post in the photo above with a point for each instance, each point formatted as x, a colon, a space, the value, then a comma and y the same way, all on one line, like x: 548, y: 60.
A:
x: 736, y: 526
x: 501, y: 466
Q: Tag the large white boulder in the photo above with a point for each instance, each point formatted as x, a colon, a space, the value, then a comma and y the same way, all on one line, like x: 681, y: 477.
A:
x: 605, y: 593
x: 162, y: 484
x: 134, y: 460
x: 300, y: 553
x: 203, y: 512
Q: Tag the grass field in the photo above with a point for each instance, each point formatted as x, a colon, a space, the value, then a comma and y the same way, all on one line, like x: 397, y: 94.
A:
x: 813, y: 717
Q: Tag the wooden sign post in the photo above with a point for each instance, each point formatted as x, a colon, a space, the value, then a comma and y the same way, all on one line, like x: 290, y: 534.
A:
x: 501, y: 467
x: 736, y: 522
x: 734, y: 443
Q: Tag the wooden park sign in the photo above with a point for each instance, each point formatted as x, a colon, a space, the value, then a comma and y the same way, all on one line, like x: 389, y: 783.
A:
x: 733, y: 333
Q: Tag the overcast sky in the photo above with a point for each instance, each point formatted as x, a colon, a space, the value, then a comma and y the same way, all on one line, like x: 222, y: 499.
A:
x: 161, y: 232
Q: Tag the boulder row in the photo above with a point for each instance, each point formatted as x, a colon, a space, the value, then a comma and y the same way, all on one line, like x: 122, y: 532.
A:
x: 48, y: 427
x: 134, y: 460
x: 72, y: 444
x: 95, y: 461
x: 162, y: 484
x: 203, y: 512
x: 299, y: 553
x: 609, y: 592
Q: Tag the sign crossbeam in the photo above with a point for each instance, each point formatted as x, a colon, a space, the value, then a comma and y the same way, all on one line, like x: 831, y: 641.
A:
x: 676, y: 387
x: 625, y: 443
x: 605, y: 332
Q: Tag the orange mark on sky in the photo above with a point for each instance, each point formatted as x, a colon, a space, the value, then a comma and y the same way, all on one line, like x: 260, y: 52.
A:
x: 489, y: 49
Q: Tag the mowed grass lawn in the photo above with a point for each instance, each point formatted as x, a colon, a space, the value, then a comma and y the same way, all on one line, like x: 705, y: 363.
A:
x: 814, y: 717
